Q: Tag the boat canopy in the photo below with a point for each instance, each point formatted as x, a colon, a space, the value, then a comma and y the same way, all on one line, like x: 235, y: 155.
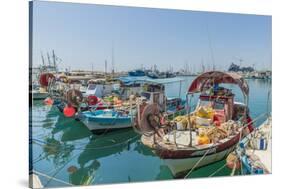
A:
x: 217, y: 77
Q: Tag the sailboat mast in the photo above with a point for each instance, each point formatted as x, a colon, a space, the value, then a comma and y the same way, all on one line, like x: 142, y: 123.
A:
x: 49, y: 60
x: 112, y: 59
x: 105, y: 66
x: 54, y: 60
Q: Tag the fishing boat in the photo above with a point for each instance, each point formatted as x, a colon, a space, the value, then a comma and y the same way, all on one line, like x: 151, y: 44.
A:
x: 136, y: 73
x: 100, y: 87
x: 39, y: 93
x: 207, y: 134
x: 100, y: 121
x: 254, y: 151
x: 122, y: 113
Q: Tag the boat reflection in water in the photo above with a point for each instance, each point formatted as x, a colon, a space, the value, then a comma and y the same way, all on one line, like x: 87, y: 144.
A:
x: 99, y: 147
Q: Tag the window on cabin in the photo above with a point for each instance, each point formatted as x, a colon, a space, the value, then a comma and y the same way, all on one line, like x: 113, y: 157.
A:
x: 91, y: 86
x: 206, y: 103
x: 146, y: 95
x: 218, y: 105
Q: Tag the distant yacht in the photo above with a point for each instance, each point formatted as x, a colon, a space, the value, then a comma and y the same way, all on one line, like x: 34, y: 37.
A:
x: 152, y: 74
x: 136, y: 73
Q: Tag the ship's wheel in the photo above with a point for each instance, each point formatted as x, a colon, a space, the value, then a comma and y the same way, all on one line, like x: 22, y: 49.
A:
x: 150, y: 119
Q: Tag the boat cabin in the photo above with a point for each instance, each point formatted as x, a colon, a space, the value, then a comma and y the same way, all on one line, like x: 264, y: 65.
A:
x: 221, y: 105
x: 154, y: 93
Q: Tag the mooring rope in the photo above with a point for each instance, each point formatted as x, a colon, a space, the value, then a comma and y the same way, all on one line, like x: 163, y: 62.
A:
x: 260, y: 116
x: 59, y: 169
x: 218, y: 170
x: 197, y: 163
x: 233, y: 169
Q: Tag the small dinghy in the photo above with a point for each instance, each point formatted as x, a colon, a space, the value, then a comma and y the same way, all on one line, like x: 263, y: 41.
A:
x: 100, y: 121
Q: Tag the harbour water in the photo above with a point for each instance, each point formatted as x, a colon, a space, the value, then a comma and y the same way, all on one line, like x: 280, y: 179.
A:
x: 65, y: 152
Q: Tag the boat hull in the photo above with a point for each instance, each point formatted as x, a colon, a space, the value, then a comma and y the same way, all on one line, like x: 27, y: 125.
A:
x: 181, y: 161
x: 180, y: 167
x: 39, y: 96
x: 103, y: 124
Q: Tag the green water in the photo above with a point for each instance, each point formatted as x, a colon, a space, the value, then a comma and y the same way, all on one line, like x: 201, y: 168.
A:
x: 64, y: 149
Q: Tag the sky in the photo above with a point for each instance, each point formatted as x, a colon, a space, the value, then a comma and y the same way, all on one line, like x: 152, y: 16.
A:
x: 84, y: 36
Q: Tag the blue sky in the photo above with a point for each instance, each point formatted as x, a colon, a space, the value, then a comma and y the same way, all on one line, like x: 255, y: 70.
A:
x: 83, y: 35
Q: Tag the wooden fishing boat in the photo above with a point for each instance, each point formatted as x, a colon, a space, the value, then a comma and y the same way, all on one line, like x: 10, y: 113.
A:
x: 40, y: 92
x: 120, y: 116
x: 123, y: 113
x: 100, y: 87
x: 116, y: 111
x: 206, y: 137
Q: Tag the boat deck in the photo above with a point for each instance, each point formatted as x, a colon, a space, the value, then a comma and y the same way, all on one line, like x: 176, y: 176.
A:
x: 264, y: 156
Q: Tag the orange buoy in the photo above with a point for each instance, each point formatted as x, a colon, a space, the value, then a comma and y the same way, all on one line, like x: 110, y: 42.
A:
x: 69, y: 111
x: 233, y: 161
x: 48, y: 101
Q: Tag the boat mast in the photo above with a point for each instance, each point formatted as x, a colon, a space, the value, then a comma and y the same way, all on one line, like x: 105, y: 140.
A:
x: 105, y: 67
x: 189, y: 121
x: 112, y: 59
x: 54, y: 60
x: 43, y: 60
x: 49, y: 60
